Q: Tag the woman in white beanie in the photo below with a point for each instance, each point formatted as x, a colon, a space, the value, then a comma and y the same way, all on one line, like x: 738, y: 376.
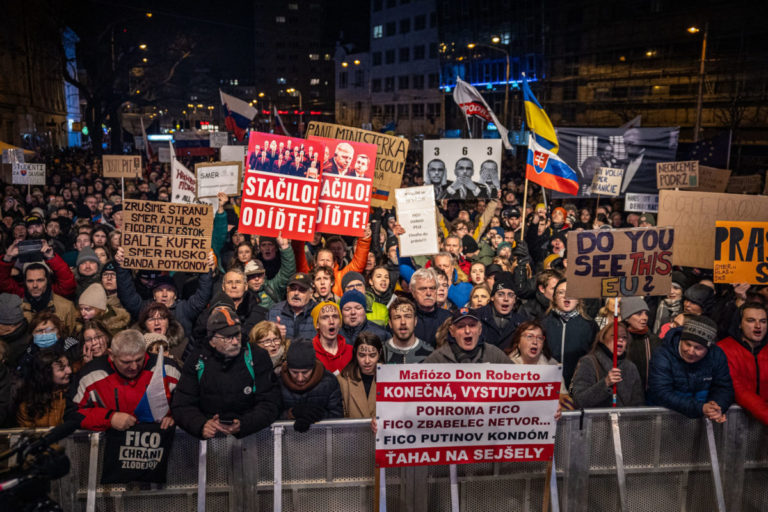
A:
x: 92, y: 305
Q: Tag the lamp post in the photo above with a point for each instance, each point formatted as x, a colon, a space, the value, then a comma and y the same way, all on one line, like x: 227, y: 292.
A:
x: 506, y: 85
x: 301, y: 114
x: 699, y: 98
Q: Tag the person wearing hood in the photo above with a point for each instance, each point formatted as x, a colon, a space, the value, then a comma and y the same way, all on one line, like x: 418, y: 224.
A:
x: 498, y: 317
x: 13, y: 328
x: 671, y: 305
x: 689, y: 373
x: 226, y: 386
x: 39, y: 296
x: 93, y: 305
x: 310, y: 392
x: 642, y: 342
x: 354, y: 320
x: 465, y: 344
x: 748, y: 360
x: 331, y: 348
x: 87, y: 269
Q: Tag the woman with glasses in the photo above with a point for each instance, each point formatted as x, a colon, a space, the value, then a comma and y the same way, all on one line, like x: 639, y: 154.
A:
x: 157, y: 318
x: 595, y: 376
x: 266, y: 335
x: 95, y: 339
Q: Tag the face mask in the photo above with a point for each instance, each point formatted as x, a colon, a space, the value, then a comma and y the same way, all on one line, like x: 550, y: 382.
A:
x: 45, y: 340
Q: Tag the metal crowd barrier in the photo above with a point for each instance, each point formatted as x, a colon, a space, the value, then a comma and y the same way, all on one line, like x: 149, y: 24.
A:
x: 663, y: 463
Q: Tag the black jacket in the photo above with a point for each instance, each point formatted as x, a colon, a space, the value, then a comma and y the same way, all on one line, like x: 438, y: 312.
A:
x: 577, y: 334
x: 249, y: 311
x: 226, y: 388
x: 501, y: 338
x: 321, y: 390
x: 427, y: 323
x: 350, y: 333
x: 536, y: 307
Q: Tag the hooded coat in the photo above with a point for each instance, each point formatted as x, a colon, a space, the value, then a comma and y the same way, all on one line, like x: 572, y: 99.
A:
x: 322, y: 390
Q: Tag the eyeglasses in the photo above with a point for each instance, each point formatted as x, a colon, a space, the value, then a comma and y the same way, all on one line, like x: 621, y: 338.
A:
x: 100, y: 337
x: 219, y: 338
x: 531, y: 337
x: 156, y: 318
x: 270, y: 341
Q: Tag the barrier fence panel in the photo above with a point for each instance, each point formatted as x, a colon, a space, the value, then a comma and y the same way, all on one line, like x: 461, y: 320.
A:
x: 666, y: 463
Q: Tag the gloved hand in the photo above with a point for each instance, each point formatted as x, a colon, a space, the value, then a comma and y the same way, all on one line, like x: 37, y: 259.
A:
x: 305, y: 415
x: 521, y: 252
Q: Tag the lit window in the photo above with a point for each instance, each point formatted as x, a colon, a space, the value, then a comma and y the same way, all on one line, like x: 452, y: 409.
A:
x: 314, y: 56
x: 281, y: 80
x: 279, y: 19
x: 378, y: 31
x: 314, y: 81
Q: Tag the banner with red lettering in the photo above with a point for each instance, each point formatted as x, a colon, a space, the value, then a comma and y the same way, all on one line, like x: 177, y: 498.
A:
x: 281, y: 186
x: 434, y: 414
x: 345, y: 190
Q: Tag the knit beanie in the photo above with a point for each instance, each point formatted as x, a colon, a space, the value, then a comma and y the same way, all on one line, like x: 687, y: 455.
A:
x: 301, y: 355
x: 631, y: 305
x: 316, y: 310
x: 10, y: 309
x: 94, y: 296
x: 699, y: 329
x: 468, y: 244
x: 151, y: 337
x: 349, y: 277
x: 352, y: 296
x: 86, y: 254
x: 503, y: 245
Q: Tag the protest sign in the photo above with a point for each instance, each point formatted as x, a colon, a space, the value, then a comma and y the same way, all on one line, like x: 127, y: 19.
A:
x: 281, y: 187
x: 233, y: 154
x: 643, y: 203
x: 183, y: 183
x: 13, y: 156
x: 216, y: 177
x: 139, y: 454
x: 677, y: 174
x: 121, y: 166
x: 740, y: 255
x: 390, y: 158
x: 164, y: 155
x: 693, y: 216
x: 28, y: 174
x: 619, y: 262
x: 218, y: 139
x: 345, y: 190
x: 166, y: 236
x: 138, y: 141
x: 607, y: 181
x: 751, y: 184
x: 435, y: 414
x: 416, y: 213
x: 463, y: 169
x: 712, y: 179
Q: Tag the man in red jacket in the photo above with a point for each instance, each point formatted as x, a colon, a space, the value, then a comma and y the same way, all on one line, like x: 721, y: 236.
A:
x: 748, y: 360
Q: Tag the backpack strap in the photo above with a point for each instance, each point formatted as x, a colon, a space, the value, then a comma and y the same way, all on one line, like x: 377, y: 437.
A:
x: 248, y: 355
x: 200, y: 368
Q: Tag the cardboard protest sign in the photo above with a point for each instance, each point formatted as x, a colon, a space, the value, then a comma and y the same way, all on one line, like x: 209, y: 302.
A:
x: 281, y: 187
x: 607, y: 181
x: 121, y: 166
x: 712, y: 179
x: 677, y: 174
x: 27, y: 174
x: 166, y: 236
x: 390, y: 158
x: 345, y: 190
x: 740, y: 252
x: 694, y: 214
x: 233, y: 153
x: 216, y: 177
x: 218, y: 139
x: 643, y: 203
x: 463, y: 169
x: 619, y: 262
x: 183, y: 183
x: 416, y: 213
x: 436, y: 414
x: 751, y: 184
x: 164, y: 155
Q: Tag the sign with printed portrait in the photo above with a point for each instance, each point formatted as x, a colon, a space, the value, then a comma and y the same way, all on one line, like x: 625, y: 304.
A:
x: 463, y: 168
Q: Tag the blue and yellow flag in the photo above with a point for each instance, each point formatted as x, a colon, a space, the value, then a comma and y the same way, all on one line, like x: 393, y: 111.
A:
x: 538, y: 120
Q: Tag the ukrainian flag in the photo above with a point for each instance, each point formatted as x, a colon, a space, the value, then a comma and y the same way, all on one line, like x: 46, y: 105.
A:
x: 538, y: 120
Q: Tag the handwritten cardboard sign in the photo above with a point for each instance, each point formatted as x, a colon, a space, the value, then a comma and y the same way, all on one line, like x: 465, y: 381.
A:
x: 619, y: 262
x: 183, y: 183
x: 345, y: 190
x: 712, y: 179
x: 281, y: 186
x: 607, y: 181
x: 164, y: 236
x: 28, y: 174
x: 694, y: 214
x: 121, y: 166
x: 643, y: 203
x: 751, y: 184
x: 390, y: 158
x: 416, y: 213
x: 740, y: 252
x: 677, y: 174
x: 216, y: 177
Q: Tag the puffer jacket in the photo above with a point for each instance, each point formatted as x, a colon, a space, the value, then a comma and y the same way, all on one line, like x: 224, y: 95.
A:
x: 686, y: 387
x: 321, y: 390
x: 749, y: 372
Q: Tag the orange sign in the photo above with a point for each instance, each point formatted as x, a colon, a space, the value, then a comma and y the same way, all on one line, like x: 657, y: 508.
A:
x: 740, y: 252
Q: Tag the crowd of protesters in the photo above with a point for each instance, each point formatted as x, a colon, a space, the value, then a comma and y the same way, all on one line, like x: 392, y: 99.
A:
x: 285, y: 329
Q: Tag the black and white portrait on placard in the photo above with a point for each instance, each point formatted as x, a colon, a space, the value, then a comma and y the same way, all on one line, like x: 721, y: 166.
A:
x: 463, y: 168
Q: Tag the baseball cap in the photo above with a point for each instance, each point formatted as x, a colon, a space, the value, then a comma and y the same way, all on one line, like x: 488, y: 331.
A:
x: 463, y: 313
x: 302, y: 280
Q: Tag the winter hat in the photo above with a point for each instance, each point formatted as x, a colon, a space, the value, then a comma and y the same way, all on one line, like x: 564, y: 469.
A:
x: 164, y: 281
x: 86, y: 254
x: 631, y: 305
x: 503, y: 281
x: 468, y: 244
x: 391, y: 242
x: 10, y: 309
x: 254, y: 267
x: 108, y: 267
x: 503, y: 245
x: 679, y: 279
x: 151, y: 337
x: 699, y: 294
x: 270, y: 239
x: 352, y: 296
x: 498, y: 230
x: 699, y: 329
x: 316, y: 310
x: 492, y: 270
x: 301, y: 355
x: 349, y: 277
x: 649, y: 218
x: 94, y: 296
x: 224, y: 322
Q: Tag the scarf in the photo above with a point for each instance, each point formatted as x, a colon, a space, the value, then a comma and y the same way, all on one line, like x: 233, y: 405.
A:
x: 39, y: 303
x: 277, y: 359
x: 566, y: 315
x: 463, y: 356
x: 638, y: 331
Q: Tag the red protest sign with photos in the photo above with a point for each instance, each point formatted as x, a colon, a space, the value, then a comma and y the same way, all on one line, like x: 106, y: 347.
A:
x: 346, y: 184
x: 281, y: 186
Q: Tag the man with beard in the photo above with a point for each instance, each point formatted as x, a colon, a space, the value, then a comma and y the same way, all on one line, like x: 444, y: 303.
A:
x: 404, y: 346
x: 63, y: 282
x: 294, y: 314
x: 39, y: 296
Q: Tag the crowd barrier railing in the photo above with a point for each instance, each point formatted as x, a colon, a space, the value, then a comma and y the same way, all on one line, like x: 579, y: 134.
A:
x: 630, y: 459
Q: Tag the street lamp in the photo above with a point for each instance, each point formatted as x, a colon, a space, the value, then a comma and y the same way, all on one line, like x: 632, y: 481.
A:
x: 301, y: 108
x: 699, y: 99
x: 142, y: 46
x: 497, y: 39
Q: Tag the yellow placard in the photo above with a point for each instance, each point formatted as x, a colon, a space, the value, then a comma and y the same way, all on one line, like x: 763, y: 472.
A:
x: 740, y: 252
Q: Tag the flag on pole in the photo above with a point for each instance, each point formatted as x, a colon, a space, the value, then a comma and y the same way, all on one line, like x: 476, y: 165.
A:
x: 239, y: 114
x: 472, y: 104
x: 538, y: 120
x: 183, y: 181
x: 280, y: 123
x: 154, y: 404
x: 548, y: 170
x: 147, y: 145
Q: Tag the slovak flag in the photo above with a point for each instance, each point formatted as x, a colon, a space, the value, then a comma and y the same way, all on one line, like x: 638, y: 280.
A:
x: 239, y: 114
x: 548, y: 170
x: 153, y: 406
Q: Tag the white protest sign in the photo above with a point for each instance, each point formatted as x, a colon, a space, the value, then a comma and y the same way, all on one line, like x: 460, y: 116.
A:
x: 164, y: 155
x: 183, y: 183
x: 416, y: 213
x: 233, y: 153
x: 607, y: 181
x: 643, y: 203
x: 138, y: 141
x: 218, y: 139
x: 463, y: 168
x: 435, y: 414
x: 28, y: 174
x: 216, y: 177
